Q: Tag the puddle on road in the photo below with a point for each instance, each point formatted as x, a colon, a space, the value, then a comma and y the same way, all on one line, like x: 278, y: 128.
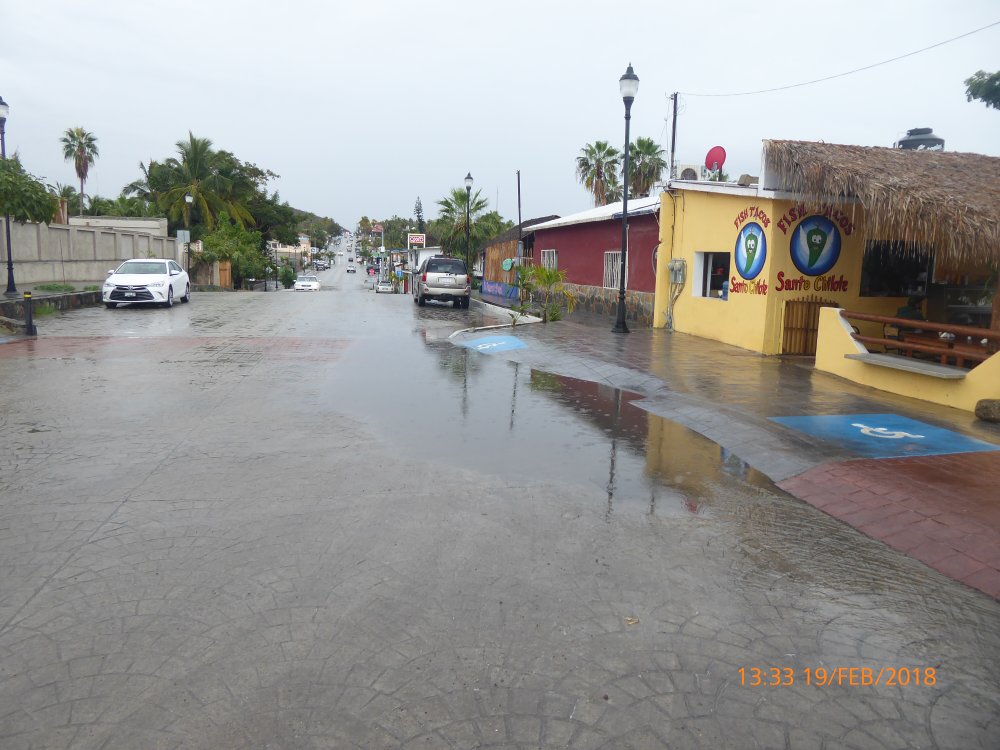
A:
x: 458, y: 407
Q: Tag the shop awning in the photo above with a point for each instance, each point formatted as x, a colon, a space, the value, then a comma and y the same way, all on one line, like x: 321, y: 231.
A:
x: 942, y: 198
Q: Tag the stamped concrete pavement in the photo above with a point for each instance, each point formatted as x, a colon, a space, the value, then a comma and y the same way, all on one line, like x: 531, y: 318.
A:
x: 310, y: 521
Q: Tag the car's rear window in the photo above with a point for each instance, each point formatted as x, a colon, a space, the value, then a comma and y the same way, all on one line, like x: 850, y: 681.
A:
x: 446, y: 265
x: 142, y: 267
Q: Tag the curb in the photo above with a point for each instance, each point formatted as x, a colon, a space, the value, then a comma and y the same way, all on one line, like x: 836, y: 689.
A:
x: 14, y: 308
x: 521, y: 319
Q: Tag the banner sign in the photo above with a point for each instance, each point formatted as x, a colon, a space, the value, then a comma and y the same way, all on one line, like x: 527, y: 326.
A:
x: 416, y: 239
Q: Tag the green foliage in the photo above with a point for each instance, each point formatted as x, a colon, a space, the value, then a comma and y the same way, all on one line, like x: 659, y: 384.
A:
x: 92, y: 288
x: 23, y: 196
x: 287, y: 277
x: 549, y: 284
x: 720, y: 176
x: 57, y: 287
x: 80, y: 147
x: 42, y: 310
x: 984, y: 87
x: 237, y: 245
x: 449, y: 227
x: 418, y: 214
x: 597, y: 165
x: 646, y: 165
x: 68, y: 192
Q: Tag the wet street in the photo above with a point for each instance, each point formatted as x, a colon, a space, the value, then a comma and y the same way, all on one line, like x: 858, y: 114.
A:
x: 312, y: 520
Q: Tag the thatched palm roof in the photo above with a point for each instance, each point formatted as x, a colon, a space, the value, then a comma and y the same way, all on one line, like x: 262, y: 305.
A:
x: 944, y: 198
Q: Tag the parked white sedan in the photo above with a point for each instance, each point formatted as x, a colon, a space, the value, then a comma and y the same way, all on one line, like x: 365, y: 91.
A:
x: 307, y: 284
x: 153, y: 281
x: 383, y: 286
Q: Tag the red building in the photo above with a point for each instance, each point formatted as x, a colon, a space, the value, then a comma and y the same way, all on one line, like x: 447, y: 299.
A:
x: 588, y: 246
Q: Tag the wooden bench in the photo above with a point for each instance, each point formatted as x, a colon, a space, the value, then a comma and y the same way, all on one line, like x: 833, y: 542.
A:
x: 909, y: 364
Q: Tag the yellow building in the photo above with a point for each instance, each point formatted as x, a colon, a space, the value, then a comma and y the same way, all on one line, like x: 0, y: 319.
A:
x: 845, y: 228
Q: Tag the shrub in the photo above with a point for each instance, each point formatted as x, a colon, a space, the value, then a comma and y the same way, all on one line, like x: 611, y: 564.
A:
x: 92, y: 288
x: 287, y: 277
x: 56, y: 287
x: 44, y: 310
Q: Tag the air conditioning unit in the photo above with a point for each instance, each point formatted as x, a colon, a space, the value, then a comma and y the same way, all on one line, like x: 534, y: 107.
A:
x: 690, y: 172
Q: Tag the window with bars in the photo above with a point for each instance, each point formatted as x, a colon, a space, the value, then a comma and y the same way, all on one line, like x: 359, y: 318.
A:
x: 612, y: 269
x: 550, y: 259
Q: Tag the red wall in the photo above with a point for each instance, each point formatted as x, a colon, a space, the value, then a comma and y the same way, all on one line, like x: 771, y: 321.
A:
x: 582, y: 246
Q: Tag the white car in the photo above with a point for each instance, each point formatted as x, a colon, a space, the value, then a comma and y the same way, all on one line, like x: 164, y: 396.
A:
x: 153, y: 281
x: 340, y: 253
x: 306, y: 284
x: 383, y: 286
x: 352, y: 269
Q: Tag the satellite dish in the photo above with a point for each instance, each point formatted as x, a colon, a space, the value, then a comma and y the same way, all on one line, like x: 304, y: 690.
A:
x: 716, y: 158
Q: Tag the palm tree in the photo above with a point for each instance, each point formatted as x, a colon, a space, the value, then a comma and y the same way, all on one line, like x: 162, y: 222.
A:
x: 196, y: 172
x: 612, y: 189
x: 81, y: 147
x: 69, y: 194
x: 450, y: 222
x: 647, y: 166
x: 598, y: 161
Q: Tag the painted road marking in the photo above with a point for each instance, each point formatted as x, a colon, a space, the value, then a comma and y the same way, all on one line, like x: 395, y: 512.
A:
x: 885, y: 435
x: 490, y: 344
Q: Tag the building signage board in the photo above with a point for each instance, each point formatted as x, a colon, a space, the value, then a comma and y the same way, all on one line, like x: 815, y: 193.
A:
x: 416, y: 239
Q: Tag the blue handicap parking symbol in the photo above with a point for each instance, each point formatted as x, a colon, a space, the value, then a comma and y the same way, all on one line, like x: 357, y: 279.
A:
x: 495, y: 344
x: 885, y: 435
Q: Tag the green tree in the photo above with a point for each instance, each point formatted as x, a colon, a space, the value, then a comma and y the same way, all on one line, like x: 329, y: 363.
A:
x: 24, y: 197
x: 80, y: 147
x: 720, y: 176
x: 72, y: 198
x: 197, y: 172
x: 646, y: 166
x: 239, y: 246
x: 597, y: 164
x: 612, y: 189
x: 450, y: 222
x: 418, y: 213
x: 985, y: 87
x: 287, y: 277
x: 549, y: 283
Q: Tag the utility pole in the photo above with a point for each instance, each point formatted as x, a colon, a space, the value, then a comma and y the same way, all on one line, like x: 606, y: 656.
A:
x: 673, y: 135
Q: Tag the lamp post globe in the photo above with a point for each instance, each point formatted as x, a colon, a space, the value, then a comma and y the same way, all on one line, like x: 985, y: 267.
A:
x: 11, y: 286
x: 468, y: 200
x: 628, y: 84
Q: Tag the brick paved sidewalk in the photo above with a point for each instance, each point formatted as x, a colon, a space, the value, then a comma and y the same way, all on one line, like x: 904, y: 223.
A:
x: 942, y: 510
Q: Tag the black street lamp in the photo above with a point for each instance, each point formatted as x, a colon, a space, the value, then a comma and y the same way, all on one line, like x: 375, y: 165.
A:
x: 188, y: 200
x: 468, y: 200
x: 11, y: 287
x: 628, y: 84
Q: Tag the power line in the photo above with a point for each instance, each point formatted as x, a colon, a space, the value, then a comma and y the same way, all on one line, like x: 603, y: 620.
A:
x: 856, y: 70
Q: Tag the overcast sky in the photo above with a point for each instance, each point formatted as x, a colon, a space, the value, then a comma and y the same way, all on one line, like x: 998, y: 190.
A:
x: 363, y: 106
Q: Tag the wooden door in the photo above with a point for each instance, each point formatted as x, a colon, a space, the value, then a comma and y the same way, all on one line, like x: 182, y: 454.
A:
x: 801, y: 324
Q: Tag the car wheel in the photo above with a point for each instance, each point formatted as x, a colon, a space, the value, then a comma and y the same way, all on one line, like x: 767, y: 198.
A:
x: 465, y: 302
x: 421, y: 300
x: 457, y: 303
x: 170, y: 297
x: 111, y: 305
x: 187, y: 294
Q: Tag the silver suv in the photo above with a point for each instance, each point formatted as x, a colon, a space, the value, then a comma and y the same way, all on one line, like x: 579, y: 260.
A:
x: 443, y: 279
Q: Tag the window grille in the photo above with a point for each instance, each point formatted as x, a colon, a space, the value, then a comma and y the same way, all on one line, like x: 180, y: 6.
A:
x: 550, y: 259
x: 612, y: 267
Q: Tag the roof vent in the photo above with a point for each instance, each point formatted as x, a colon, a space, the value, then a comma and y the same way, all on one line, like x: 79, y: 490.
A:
x: 920, y: 139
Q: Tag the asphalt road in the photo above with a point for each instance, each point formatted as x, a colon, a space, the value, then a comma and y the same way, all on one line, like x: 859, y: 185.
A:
x: 294, y: 520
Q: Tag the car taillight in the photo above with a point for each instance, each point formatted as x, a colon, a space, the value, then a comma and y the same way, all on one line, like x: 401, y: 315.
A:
x: 424, y: 277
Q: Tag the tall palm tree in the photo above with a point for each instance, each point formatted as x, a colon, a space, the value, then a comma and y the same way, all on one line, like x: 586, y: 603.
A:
x: 612, y: 189
x: 451, y: 218
x: 196, y: 172
x: 81, y: 147
x: 646, y: 166
x: 596, y: 164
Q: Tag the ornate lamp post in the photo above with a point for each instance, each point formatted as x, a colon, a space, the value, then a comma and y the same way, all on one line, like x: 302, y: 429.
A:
x: 628, y: 84
x: 11, y: 287
x: 468, y: 200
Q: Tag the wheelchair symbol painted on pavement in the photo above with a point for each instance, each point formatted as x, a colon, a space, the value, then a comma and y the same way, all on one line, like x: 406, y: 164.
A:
x: 882, y: 432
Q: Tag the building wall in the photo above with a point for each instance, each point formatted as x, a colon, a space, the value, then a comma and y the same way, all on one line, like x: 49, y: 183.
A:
x: 146, y: 225
x: 753, y: 315
x: 42, y: 253
x: 582, y: 246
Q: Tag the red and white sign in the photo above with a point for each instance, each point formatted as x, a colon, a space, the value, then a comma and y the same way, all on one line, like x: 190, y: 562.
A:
x: 416, y: 239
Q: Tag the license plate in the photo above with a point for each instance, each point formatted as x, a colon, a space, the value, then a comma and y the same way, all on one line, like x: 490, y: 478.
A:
x: 129, y: 294
x: 446, y: 281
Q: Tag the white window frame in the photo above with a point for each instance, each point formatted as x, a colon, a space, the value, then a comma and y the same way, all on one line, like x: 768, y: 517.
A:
x: 612, y: 268
x: 702, y: 269
x: 550, y: 259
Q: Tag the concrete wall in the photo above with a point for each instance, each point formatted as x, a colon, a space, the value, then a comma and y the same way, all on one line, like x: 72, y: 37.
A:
x: 835, y: 342
x: 45, y: 253
x: 141, y: 224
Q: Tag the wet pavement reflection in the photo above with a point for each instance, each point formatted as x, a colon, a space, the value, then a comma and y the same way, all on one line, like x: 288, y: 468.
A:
x: 304, y: 521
